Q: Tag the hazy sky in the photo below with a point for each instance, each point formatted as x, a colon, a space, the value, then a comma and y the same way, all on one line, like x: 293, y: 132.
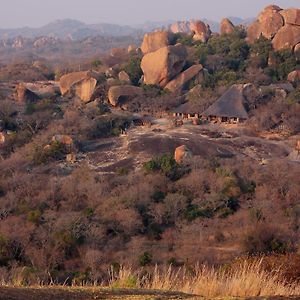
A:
x: 16, y: 13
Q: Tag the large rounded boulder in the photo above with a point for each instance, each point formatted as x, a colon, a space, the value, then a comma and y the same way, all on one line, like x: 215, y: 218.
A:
x: 25, y: 95
x: 156, y: 40
x: 180, y: 27
x: 270, y: 21
x: 294, y: 76
x: 121, y: 93
x: 182, y: 154
x: 291, y: 16
x: 287, y: 37
x: 183, y: 79
x: 83, y: 84
x: 202, y: 31
x: 163, y: 65
x: 226, y: 27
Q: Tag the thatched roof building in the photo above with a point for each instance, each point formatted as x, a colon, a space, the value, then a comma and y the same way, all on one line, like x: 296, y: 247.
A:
x: 230, y: 106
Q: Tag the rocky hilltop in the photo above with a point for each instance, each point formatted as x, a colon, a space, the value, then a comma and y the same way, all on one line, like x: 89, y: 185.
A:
x: 282, y: 26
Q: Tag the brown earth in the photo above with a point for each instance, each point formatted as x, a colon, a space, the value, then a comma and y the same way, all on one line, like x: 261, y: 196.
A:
x: 10, y: 293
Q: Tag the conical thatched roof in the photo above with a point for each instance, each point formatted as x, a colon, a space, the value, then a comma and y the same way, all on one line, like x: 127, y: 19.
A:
x: 230, y: 104
x: 188, y: 108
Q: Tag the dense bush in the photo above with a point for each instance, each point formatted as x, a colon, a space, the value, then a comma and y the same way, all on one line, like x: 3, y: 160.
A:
x: 166, y: 165
x: 54, y: 151
x: 107, y: 126
x: 266, y: 240
x: 133, y: 69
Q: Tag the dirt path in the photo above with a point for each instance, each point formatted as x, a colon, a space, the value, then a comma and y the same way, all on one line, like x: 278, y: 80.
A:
x: 10, y: 293
x: 86, y: 294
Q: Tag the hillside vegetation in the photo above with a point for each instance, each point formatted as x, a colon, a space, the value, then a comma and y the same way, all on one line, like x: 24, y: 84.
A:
x: 101, y: 184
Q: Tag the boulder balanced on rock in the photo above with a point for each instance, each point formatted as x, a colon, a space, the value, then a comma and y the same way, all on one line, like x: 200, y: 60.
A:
x: 83, y: 84
x: 155, y: 40
x: 163, y: 65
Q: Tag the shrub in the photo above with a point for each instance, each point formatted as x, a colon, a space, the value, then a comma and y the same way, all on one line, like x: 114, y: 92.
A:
x: 261, y: 50
x: 88, y: 212
x: 294, y: 97
x: 133, y: 69
x: 9, y: 250
x: 166, y: 165
x: 107, y: 126
x: 55, y: 151
x: 30, y: 108
x: 122, y: 171
x: 158, y: 196
x: 193, y: 212
x: 96, y: 63
x: 80, y: 278
x: 286, y: 63
x: 34, y: 216
x: 145, y: 259
x: 265, y: 240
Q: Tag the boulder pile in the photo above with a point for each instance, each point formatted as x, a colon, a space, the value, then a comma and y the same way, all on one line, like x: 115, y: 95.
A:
x: 83, y: 84
x: 156, y: 40
x: 164, y: 64
x: 282, y: 26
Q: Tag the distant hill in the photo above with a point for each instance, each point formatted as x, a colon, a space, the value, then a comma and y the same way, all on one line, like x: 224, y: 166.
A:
x: 76, y: 30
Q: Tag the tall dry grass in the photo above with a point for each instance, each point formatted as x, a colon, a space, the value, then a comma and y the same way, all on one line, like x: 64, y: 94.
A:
x: 245, y: 279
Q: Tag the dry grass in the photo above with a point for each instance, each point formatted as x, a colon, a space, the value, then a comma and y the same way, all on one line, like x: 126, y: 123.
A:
x: 246, y: 279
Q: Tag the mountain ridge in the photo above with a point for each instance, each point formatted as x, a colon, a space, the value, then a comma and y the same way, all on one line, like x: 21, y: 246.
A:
x: 76, y: 30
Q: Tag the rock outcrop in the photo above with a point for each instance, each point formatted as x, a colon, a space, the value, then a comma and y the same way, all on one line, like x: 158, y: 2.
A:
x: 270, y: 21
x: 132, y: 48
x: 117, y: 52
x: 124, y: 77
x: 117, y: 94
x: 297, y: 51
x: 202, y: 31
x: 184, y: 78
x: 254, y: 32
x: 25, y: 95
x: 280, y: 26
x: 2, y: 138
x: 45, y: 41
x: 291, y: 16
x: 83, y: 84
x: 294, y: 76
x: 63, y: 139
x: 85, y: 89
x: 182, y: 154
x: 163, y: 65
x: 181, y: 27
x: 287, y: 37
x: 155, y: 40
x: 199, y: 30
x: 226, y: 26
x: 44, y: 89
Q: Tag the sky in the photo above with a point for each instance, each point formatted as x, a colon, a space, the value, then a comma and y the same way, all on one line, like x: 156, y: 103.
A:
x: 35, y: 13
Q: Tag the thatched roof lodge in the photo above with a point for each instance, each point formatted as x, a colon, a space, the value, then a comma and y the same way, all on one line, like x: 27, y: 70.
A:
x: 229, y: 107
x: 188, y: 110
